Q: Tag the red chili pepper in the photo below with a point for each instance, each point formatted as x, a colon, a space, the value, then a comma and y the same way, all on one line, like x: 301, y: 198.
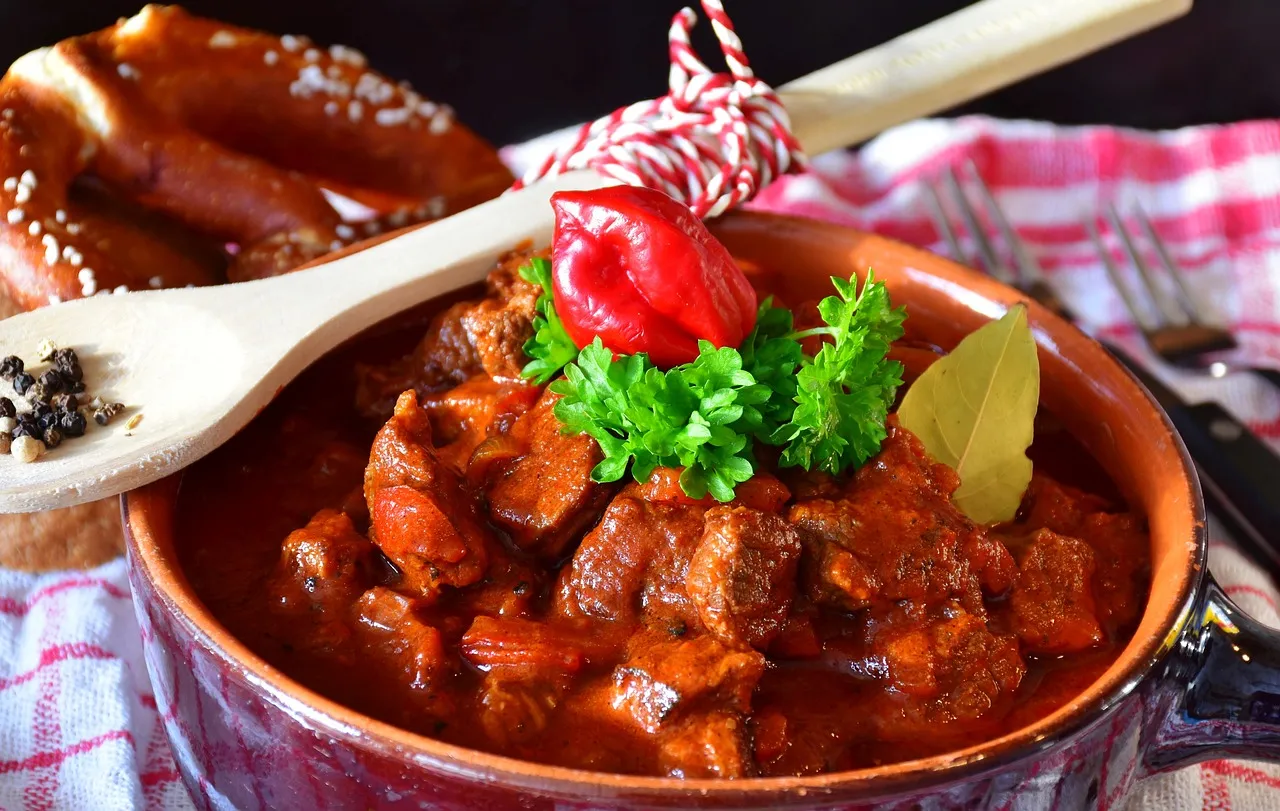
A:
x: 640, y: 270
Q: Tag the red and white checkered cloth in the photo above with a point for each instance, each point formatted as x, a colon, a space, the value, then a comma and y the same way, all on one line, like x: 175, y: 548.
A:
x: 78, y: 725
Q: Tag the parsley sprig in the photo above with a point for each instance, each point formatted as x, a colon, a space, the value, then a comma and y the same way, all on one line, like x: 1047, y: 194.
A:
x: 825, y: 411
x: 550, y: 348
x: 843, y: 393
x: 698, y: 416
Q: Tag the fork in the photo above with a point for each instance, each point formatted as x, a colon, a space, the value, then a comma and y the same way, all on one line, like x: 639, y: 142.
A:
x: 1181, y: 333
x: 1239, y: 471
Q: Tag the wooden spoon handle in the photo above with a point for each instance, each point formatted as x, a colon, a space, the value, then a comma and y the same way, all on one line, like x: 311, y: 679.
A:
x: 978, y: 49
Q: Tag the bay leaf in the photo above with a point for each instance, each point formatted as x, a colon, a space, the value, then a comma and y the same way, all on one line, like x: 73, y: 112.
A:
x: 974, y: 410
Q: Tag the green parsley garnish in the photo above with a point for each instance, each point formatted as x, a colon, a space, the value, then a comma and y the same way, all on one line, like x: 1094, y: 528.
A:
x: 550, y: 348
x: 698, y: 416
x: 825, y: 412
x: 843, y: 394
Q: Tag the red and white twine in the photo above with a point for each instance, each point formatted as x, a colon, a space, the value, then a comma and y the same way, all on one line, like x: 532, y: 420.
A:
x: 711, y: 142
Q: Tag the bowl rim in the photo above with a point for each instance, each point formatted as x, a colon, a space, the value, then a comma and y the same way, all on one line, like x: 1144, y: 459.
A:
x: 143, y: 508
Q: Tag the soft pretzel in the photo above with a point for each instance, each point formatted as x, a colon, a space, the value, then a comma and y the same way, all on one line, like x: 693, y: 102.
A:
x: 141, y: 150
x: 119, y: 147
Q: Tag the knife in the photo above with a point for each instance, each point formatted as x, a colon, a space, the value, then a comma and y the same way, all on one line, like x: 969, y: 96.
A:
x: 1239, y: 473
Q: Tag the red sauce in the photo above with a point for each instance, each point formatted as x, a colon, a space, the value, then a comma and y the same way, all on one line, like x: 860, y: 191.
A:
x: 475, y: 586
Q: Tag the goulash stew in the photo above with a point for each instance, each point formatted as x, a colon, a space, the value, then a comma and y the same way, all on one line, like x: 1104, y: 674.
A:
x: 624, y: 512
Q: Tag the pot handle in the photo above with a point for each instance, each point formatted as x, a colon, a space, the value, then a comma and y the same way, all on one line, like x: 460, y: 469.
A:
x: 1221, y: 696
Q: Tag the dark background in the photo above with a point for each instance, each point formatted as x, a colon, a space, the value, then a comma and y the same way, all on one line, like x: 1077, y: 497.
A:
x: 516, y: 68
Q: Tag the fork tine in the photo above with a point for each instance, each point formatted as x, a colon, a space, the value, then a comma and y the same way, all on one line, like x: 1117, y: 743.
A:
x: 940, y: 221
x: 1190, y: 304
x: 1139, y: 317
x: 1028, y: 268
x: 990, y: 261
x: 1165, y: 314
x: 1032, y: 279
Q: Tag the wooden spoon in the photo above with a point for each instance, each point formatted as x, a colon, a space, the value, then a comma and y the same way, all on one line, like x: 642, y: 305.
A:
x: 195, y: 365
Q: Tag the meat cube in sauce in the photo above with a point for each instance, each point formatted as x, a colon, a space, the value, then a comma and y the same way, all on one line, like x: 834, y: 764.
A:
x: 1119, y: 542
x: 464, y: 416
x: 322, y: 566
x: 895, y: 535
x: 444, y: 357
x: 742, y: 577
x: 500, y: 324
x: 322, y: 569
x: 952, y: 668
x: 469, y: 338
x: 634, y: 563
x: 545, y: 497
x: 1121, y: 554
x: 708, y: 744
x: 1052, y: 604
x: 513, y: 712
x: 664, y: 678
x: 421, y: 517
x: 518, y: 649
x: 394, y: 628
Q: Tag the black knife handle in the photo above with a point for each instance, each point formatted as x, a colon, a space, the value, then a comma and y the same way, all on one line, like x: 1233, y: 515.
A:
x: 1240, y: 466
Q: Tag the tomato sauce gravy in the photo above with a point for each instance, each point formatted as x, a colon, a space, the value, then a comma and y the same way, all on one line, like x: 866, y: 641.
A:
x: 466, y: 580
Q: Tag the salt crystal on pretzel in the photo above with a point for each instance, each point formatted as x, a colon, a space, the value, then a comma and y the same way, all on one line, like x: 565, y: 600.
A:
x: 129, y: 145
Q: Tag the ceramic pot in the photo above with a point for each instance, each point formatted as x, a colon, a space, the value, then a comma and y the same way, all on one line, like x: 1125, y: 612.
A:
x: 1198, y: 679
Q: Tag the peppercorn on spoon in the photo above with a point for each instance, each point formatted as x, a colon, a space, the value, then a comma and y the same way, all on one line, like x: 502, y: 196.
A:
x: 193, y: 366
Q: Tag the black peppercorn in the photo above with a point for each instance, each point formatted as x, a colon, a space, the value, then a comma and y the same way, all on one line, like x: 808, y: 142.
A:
x: 22, y: 382
x: 52, y: 437
x: 64, y: 402
x: 68, y: 365
x: 47, y: 420
x: 6, y: 408
x: 52, y: 382
x: 106, y: 413
x: 26, y: 427
x: 11, y: 367
x: 72, y: 423
x: 75, y: 387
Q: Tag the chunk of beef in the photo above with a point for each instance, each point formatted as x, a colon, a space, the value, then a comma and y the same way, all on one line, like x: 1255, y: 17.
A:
x: 518, y: 649
x: 742, y: 577
x: 469, y: 338
x: 1052, y: 605
x: 500, y: 324
x: 421, y: 517
x: 952, y: 668
x: 466, y: 415
x: 546, y: 498
x: 511, y: 588
x: 1119, y: 541
x: 1122, y: 556
x: 514, y: 712
x: 444, y: 357
x: 393, y: 628
x: 323, y: 565
x: 1049, y: 504
x: 895, y: 535
x: 709, y: 744
x: 634, y: 563
x: 665, y: 679
x: 833, y: 575
x: 322, y: 569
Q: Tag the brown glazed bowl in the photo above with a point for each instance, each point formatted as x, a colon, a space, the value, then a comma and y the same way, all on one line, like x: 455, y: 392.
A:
x: 1197, y: 680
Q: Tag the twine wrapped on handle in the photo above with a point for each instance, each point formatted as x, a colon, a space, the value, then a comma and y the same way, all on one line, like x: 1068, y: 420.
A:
x: 712, y: 142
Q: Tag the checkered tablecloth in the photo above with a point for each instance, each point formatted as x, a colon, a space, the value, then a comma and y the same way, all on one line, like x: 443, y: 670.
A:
x: 79, y: 727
